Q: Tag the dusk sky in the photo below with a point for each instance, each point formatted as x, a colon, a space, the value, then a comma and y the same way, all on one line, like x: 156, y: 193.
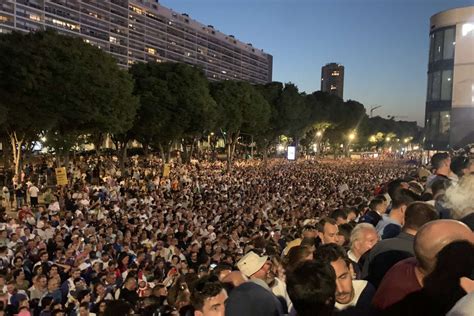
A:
x: 383, y: 44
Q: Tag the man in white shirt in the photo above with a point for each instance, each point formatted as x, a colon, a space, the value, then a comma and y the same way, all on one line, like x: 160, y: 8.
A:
x: 33, y: 191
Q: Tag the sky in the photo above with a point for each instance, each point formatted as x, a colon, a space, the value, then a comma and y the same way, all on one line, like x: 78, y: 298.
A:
x: 383, y: 44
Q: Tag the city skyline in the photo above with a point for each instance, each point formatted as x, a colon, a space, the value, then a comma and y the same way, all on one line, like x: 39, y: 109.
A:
x: 382, y: 44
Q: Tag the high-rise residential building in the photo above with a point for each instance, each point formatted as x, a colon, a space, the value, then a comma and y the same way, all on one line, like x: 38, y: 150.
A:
x: 449, y: 116
x: 332, y: 79
x: 139, y: 31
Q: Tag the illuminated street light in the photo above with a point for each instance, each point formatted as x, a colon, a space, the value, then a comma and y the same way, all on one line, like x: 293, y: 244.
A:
x: 387, y: 139
x: 352, y: 136
x: 319, y: 134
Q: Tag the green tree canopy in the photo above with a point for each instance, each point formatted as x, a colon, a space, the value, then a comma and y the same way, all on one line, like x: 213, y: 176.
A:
x: 175, y: 103
x: 244, y: 109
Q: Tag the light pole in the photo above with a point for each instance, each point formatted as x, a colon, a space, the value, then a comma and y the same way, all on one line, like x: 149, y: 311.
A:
x: 372, y: 109
x: 318, y: 142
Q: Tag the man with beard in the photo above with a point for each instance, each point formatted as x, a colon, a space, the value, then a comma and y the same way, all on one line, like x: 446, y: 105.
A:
x: 353, y: 297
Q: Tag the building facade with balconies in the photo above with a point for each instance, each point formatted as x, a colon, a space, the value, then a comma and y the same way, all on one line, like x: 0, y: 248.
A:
x: 140, y: 31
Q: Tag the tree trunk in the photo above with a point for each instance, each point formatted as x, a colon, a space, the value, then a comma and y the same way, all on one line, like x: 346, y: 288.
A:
x: 98, y: 139
x: 162, y: 153
x: 191, y: 151
x: 165, y: 152
x: 231, y: 144
x: 265, y: 155
x: 122, y: 158
x: 229, y: 157
x: 58, y: 159
x: 146, y: 149
x: 16, y: 150
x: 168, y: 154
x: 186, y: 158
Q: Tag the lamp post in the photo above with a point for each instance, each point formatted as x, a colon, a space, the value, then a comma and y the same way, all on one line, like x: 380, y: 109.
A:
x: 317, y: 148
x: 372, y: 109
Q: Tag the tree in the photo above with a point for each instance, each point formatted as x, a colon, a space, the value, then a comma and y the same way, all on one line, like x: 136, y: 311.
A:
x: 62, y: 87
x: 277, y: 123
x: 244, y: 109
x: 93, y: 95
x: 175, y: 104
x: 296, y: 112
x: 24, y: 83
x: 290, y: 114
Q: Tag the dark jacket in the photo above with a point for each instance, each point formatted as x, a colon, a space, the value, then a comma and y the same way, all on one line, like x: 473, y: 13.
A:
x: 251, y: 299
x: 384, y: 255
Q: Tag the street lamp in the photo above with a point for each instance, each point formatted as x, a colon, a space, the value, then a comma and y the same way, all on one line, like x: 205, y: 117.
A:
x: 319, y: 134
x: 387, y: 139
x: 372, y: 109
x: 352, y: 136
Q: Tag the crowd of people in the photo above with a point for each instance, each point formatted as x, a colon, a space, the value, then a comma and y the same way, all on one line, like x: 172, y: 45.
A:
x: 317, y: 237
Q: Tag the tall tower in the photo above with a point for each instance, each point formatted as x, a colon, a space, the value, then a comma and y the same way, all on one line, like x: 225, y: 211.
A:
x: 332, y: 79
x: 449, y: 111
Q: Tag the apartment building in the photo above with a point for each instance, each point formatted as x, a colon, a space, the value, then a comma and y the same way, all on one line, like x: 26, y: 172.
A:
x: 140, y: 31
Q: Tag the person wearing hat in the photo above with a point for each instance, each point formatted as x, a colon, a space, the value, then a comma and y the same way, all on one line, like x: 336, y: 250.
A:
x: 253, y: 297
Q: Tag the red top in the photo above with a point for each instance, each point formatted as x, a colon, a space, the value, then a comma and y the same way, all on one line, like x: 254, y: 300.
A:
x: 399, y: 281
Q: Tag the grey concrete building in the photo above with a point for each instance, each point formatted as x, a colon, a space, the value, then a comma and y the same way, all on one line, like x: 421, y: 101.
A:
x: 332, y: 79
x: 139, y: 31
x: 449, y: 114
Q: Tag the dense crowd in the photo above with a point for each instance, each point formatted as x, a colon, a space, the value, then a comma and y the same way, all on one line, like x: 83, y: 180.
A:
x: 299, y: 238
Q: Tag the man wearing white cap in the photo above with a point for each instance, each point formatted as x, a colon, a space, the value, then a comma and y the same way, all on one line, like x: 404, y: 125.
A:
x: 254, y: 297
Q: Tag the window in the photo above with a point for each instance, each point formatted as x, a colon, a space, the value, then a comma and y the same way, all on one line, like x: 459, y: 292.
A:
x: 446, y: 85
x: 35, y: 17
x: 438, y: 46
x: 430, y: 86
x: 442, y: 44
x: 335, y: 73
x: 433, y: 129
x: 432, y: 43
x: 444, y: 122
x: 436, y: 86
x: 449, y: 40
x: 438, y: 125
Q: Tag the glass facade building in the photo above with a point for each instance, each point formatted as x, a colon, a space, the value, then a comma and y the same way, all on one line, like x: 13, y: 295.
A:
x: 449, y: 120
x: 140, y: 31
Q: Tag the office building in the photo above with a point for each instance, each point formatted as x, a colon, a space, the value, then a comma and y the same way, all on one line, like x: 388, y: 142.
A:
x: 449, y: 115
x: 139, y: 31
x: 332, y: 79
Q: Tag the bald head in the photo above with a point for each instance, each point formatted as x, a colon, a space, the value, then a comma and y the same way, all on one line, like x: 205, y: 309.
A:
x: 433, y: 236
